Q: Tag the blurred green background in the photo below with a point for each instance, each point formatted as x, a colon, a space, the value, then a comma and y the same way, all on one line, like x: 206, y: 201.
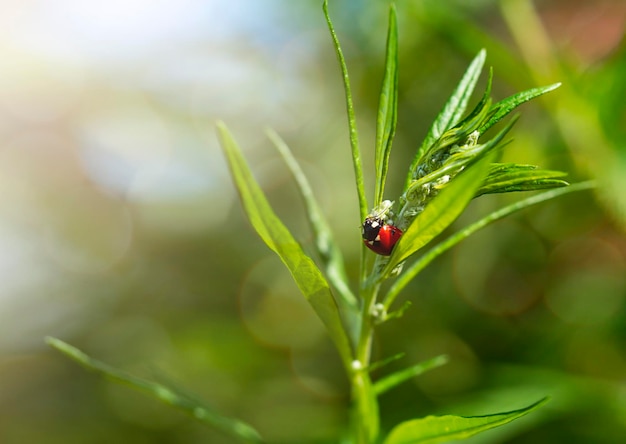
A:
x: 120, y: 231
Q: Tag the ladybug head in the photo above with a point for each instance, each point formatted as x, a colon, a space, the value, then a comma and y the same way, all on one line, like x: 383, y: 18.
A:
x: 378, y: 236
x: 371, y: 227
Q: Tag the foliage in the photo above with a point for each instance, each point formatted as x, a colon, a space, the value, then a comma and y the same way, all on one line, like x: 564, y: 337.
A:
x: 454, y: 165
x: 175, y: 398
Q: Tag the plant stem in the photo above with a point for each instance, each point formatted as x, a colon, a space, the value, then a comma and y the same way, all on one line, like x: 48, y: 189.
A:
x: 370, y: 293
x: 365, y: 405
x: 365, y: 408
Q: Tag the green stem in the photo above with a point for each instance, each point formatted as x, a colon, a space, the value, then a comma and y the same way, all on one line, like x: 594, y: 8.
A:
x: 365, y: 417
x: 365, y: 408
x: 365, y: 338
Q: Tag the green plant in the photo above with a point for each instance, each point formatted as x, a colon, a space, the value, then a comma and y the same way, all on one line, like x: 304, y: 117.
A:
x: 452, y: 166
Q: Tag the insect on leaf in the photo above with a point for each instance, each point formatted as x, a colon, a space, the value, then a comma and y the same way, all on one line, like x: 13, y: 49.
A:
x: 439, y: 213
x: 436, y: 251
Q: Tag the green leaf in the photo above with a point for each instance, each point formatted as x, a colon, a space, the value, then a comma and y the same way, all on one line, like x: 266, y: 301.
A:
x: 507, y: 177
x: 387, y: 108
x: 164, y: 394
x: 390, y: 381
x: 270, y: 228
x: 379, y: 364
x: 505, y: 106
x: 354, y: 138
x: 482, y: 108
x: 452, y: 110
x: 396, y: 314
x: 436, y: 429
x: 409, y: 273
x: 324, y: 242
x: 439, y: 213
x: 459, y: 160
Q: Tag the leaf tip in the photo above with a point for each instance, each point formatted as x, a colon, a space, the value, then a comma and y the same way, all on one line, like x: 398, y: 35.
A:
x: 220, y: 125
x: 50, y: 340
x: 441, y: 360
x: 548, y: 88
x: 541, y: 402
x: 480, y: 57
x: 55, y: 343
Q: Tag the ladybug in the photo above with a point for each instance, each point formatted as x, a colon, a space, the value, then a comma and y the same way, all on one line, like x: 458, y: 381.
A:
x: 378, y: 236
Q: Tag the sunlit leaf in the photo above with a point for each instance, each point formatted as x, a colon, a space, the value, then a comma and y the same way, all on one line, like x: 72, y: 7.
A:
x: 409, y: 273
x: 186, y: 403
x: 505, y: 106
x: 439, y: 213
x: 504, y: 178
x: 326, y: 246
x: 387, y: 108
x: 437, y: 429
x: 465, y: 157
x: 270, y: 228
x: 483, y: 106
x: 452, y: 110
x: 354, y: 138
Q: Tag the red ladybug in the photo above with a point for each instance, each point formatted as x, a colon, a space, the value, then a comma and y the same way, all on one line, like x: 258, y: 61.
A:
x: 380, y: 237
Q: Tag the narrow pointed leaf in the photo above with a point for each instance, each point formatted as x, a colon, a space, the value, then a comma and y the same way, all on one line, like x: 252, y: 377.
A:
x: 464, y: 158
x: 270, y: 228
x: 354, y: 137
x: 396, y: 314
x: 457, y: 103
x: 324, y: 242
x: 393, y: 380
x: 193, y: 407
x: 387, y: 108
x: 452, y: 110
x: 505, y: 106
x: 504, y: 178
x: 483, y: 106
x: 437, y: 429
x: 439, y: 213
x: 382, y: 363
x: 411, y: 272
